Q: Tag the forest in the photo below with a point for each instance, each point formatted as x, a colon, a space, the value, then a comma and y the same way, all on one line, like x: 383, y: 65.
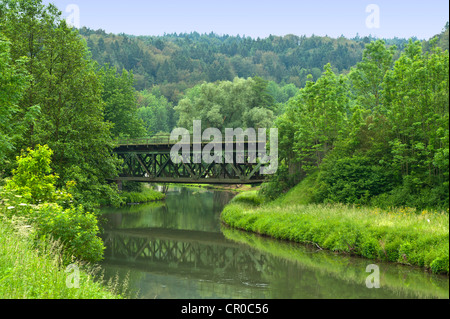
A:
x: 367, y: 118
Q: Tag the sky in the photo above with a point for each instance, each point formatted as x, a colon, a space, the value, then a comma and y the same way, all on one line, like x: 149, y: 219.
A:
x: 261, y: 18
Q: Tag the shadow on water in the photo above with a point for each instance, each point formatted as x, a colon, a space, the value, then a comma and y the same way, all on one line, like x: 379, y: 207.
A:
x: 178, y: 249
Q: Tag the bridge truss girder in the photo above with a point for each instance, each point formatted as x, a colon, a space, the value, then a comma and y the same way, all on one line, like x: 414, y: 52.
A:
x: 158, y: 167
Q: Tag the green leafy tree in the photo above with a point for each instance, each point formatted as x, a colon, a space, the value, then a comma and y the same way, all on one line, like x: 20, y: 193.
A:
x: 417, y: 92
x: 33, y: 178
x: 52, y: 213
x: 155, y: 111
x: 120, y: 103
x: 320, y: 112
x: 368, y: 75
x: 241, y: 103
x: 66, y: 86
x: 13, y: 82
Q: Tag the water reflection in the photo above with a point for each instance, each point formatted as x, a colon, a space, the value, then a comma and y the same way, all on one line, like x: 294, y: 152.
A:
x: 178, y: 249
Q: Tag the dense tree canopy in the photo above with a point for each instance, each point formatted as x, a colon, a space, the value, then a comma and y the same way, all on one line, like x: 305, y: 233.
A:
x: 238, y: 104
x: 13, y: 82
x: 176, y: 62
x: 385, y: 143
x: 64, y: 83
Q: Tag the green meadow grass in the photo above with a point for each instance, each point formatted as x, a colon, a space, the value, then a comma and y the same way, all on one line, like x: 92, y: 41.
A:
x: 28, y: 272
x: 400, y: 235
x: 146, y: 196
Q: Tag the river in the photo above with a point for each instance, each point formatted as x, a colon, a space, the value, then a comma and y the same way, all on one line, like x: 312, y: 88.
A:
x: 178, y: 249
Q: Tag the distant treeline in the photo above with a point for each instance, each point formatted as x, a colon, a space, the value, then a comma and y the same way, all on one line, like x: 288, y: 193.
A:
x: 176, y: 62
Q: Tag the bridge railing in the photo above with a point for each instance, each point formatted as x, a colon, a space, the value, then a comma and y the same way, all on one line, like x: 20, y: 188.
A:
x: 157, y: 139
x: 162, y: 139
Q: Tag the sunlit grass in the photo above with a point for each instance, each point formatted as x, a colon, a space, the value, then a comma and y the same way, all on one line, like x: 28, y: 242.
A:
x: 401, y: 235
x: 28, y: 272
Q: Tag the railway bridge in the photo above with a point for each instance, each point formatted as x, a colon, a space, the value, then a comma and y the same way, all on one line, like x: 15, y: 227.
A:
x: 149, y: 160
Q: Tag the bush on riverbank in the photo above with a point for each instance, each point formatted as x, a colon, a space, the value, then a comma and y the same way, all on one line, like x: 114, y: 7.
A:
x: 31, y: 195
x: 401, y: 235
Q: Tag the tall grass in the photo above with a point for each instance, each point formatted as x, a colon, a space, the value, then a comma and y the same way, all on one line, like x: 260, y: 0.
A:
x: 398, y: 235
x: 30, y: 272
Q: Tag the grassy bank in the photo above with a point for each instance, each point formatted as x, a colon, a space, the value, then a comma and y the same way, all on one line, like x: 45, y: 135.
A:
x: 232, y: 188
x: 145, y: 196
x: 399, y: 235
x: 30, y: 273
x: 409, y: 281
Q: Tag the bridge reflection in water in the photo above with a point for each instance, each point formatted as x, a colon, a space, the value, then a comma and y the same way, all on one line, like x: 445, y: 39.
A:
x: 197, y: 253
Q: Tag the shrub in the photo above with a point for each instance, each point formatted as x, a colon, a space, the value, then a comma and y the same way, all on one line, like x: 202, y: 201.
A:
x: 369, y: 248
x: 352, y: 180
x: 279, y: 183
x: 75, y: 228
x: 440, y: 265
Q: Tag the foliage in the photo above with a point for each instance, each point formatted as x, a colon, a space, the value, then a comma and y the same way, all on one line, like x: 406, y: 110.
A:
x: 278, y: 184
x: 120, y: 103
x: 238, y: 104
x: 352, y: 180
x: 33, y: 178
x: 319, y: 114
x: 28, y: 273
x: 13, y: 82
x: 65, y: 84
x: 176, y: 62
x: 31, y: 193
x: 249, y: 197
x: 155, y: 111
x: 385, y: 143
x: 144, y: 196
x: 76, y: 229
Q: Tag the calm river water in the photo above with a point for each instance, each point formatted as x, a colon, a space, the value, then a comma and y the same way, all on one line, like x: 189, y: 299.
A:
x: 178, y: 249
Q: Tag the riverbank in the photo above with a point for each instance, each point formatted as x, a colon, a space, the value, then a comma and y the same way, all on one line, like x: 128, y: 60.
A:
x: 241, y: 188
x: 147, y: 195
x: 28, y: 273
x: 409, y: 282
x: 400, y: 235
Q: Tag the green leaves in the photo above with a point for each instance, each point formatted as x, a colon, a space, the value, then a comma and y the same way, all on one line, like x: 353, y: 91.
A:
x: 74, y: 227
x: 379, y: 135
x: 64, y: 82
x: 238, y: 104
x: 33, y: 179
x: 13, y: 82
x: 120, y: 103
x: 320, y: 117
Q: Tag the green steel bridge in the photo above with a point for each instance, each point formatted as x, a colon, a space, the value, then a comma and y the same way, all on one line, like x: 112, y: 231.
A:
x: 149, y: 160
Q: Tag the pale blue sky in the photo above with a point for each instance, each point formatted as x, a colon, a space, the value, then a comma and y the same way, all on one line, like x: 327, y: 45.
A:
x: 260, y: 18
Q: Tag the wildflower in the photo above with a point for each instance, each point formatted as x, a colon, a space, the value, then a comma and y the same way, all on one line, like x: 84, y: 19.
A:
x: 23, y: 204
x: 428, y: 220
x: 11, y: 207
